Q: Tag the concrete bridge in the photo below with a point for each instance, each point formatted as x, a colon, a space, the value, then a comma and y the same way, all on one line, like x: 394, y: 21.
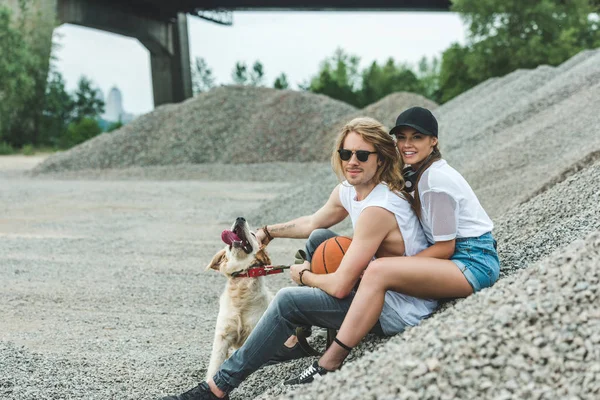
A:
x: 161, y: 26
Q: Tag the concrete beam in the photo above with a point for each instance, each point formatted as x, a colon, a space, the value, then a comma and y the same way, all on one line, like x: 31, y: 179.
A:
x: 167, y: 42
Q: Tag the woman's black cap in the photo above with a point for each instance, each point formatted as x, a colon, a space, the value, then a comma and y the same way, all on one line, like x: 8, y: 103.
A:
x: 418, y: 118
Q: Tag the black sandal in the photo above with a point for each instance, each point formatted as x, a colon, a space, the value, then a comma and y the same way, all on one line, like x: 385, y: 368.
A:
x: 342, y: 345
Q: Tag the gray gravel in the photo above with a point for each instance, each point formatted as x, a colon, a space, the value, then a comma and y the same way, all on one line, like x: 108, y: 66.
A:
x: 512, y: 136
x: 104, y: 294
x: 534, y: 335
x: 229, y: 124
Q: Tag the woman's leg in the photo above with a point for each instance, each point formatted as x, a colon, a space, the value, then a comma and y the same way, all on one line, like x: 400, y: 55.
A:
x: 414, y: 276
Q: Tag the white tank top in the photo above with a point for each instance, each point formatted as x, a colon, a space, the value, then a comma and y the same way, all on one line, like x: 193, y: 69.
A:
x: 409, y: 309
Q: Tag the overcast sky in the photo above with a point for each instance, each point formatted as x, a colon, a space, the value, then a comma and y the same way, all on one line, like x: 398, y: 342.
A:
x: 290, y: 42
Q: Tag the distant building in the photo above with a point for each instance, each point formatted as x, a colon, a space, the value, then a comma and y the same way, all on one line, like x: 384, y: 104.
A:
x: 113, y: 108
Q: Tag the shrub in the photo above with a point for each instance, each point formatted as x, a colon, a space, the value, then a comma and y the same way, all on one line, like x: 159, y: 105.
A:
x: 79, y: 132
x: 28, y: 150
x: 6, y: 149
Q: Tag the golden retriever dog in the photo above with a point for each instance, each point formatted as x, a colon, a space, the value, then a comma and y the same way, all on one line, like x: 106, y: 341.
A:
x: 244, y: 299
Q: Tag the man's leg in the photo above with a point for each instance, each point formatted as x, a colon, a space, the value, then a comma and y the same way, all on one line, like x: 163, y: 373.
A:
x: 292, y: 349
x: 291, y: 308
x: 317, y: 237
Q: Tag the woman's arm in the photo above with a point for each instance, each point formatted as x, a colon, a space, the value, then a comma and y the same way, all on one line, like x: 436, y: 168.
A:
x: 440, y: 214
x: 442, y: 250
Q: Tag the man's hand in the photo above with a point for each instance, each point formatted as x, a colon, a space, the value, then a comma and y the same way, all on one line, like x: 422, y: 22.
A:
x: 296, y: 269
x: 262, y: 237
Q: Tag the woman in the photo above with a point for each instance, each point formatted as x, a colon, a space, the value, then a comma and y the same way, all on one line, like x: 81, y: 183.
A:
x: 461, y: 260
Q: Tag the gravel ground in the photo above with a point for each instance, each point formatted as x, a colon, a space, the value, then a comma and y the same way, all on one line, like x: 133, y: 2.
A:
x: 105, y: 295
x: 104, y: 292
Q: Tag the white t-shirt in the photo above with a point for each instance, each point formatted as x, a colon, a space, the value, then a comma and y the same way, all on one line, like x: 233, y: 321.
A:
x: 449, y: 207
x: 410, y: 310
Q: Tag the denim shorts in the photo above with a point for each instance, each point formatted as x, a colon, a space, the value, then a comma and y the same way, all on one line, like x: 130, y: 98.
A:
x: 477, y: 258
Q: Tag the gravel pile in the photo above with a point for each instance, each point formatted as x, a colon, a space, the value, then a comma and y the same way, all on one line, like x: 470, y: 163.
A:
x: 513, y: 136
x: 534, y: 335
x: 538, y: 230
x: 232, y: 124
x: 567, y: 212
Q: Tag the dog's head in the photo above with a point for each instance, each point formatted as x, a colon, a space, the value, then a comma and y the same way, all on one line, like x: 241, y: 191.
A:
x: 242, y: 250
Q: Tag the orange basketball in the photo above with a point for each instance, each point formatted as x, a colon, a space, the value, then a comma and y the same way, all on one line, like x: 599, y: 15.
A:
x: 328, y: 256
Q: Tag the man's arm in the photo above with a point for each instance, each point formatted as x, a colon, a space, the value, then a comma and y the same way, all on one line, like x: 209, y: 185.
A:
x: 372, y: 227
x: 300, y: 228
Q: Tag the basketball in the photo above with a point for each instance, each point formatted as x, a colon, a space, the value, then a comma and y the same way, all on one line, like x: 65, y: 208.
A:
x: 328, y: 256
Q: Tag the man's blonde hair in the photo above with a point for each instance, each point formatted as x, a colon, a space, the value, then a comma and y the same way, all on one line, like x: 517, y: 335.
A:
x: 373, y: 132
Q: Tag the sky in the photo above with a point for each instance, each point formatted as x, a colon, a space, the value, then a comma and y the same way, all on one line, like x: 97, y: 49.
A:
x: 292, y: 42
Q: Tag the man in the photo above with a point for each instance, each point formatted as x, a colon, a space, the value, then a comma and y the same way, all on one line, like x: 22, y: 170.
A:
x: 384, y: 225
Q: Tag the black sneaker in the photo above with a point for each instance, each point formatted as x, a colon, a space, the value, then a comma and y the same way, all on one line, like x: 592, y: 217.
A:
x: 200, y: 392
x: 314, y: 372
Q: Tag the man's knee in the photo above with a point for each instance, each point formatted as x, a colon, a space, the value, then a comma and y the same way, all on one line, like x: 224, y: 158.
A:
x: 294, y: 303
x: 286, y: 300
x: 317, y: 237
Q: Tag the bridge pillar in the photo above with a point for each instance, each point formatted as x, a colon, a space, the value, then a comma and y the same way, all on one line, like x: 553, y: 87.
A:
x: 171, y: 71
x: 167, y: 42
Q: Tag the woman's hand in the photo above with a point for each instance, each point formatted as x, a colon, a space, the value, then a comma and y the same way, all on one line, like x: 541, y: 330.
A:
x: 295, y: 271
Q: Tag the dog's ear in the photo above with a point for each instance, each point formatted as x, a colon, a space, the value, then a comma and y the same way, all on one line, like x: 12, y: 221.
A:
x: 217, y: 260
x: 263, y: 257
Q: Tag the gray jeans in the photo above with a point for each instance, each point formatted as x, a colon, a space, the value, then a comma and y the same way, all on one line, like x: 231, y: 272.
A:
x: 291, y: 307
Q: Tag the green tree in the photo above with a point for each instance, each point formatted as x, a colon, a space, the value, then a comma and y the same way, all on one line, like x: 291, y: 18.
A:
x: 17, y: 86
x: 202, y: 76
x: 257, y: 74
x: 379, y: 81
x: 505, y: 35
x: 281, y: 82
x: 455, y: 73
x: 68, y: 120
x: 87, y: 101
x: 428, y: 72
x: 240, y: 73
x: 338, y: 78
x: 58, y: 110
x: 79, y: 131
x: 114, y: 126
x: 35, y: 27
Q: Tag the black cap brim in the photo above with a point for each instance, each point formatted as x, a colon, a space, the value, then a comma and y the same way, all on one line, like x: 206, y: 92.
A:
x: 397, y: 128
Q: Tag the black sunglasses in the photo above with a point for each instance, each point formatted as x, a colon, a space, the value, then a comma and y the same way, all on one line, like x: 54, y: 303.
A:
x: 361, y: 155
